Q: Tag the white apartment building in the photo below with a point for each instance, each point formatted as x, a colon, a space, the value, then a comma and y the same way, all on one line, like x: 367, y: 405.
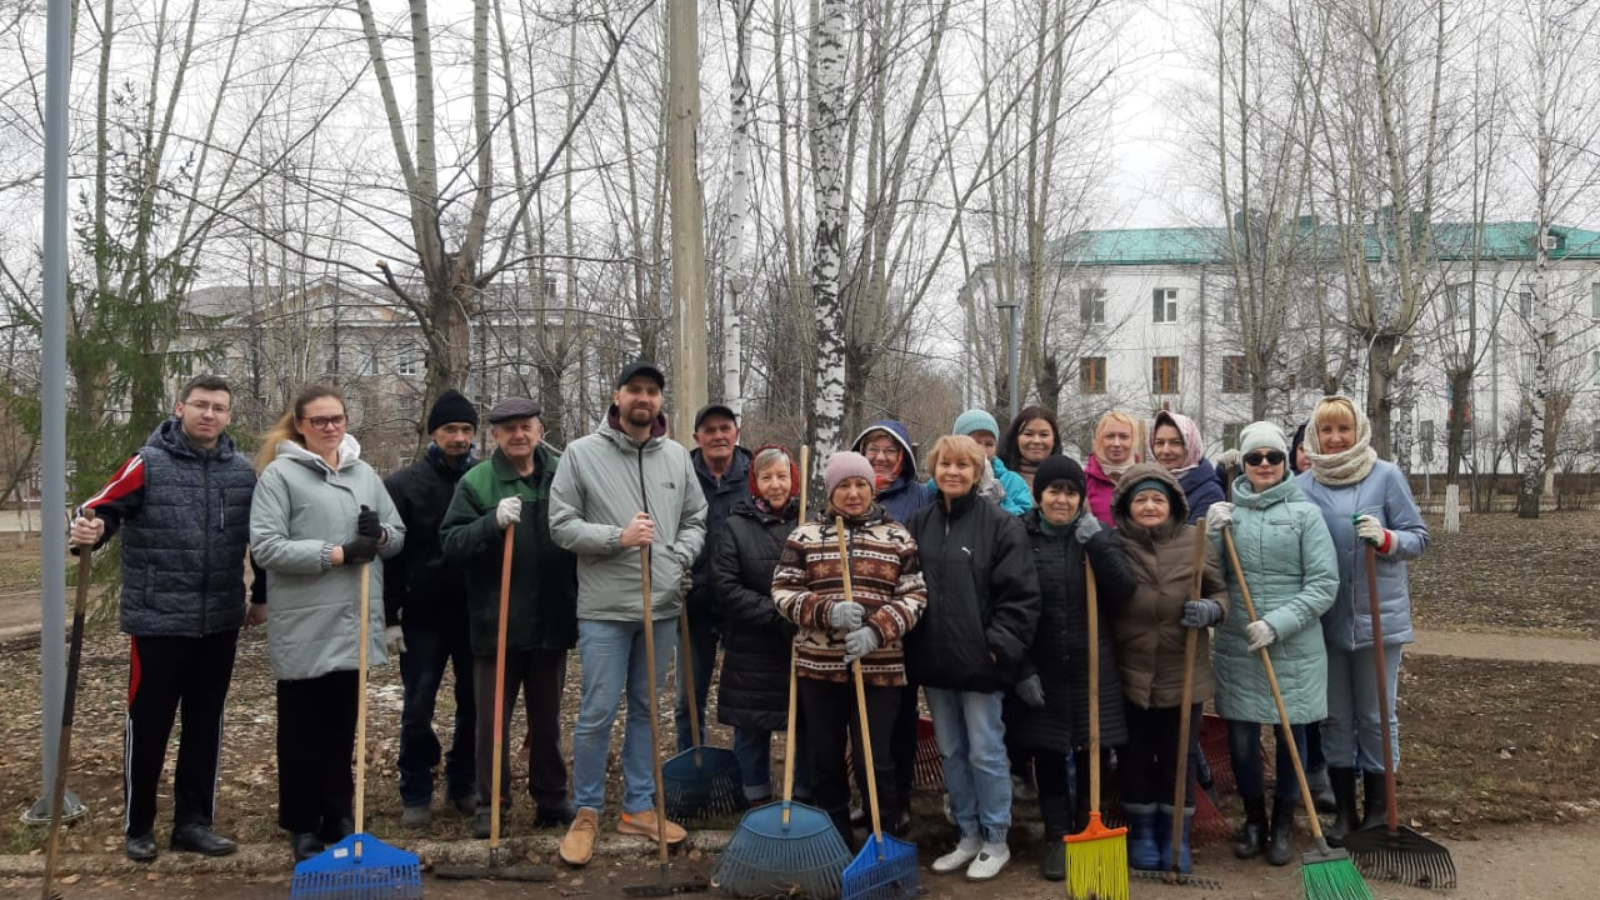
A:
x: 1147, y: 319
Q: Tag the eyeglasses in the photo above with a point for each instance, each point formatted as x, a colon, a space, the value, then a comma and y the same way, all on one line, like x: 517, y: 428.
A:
x: 202, y: 408
x: 322, y: 423
x: 889, y: 452
x: 1266, y: 457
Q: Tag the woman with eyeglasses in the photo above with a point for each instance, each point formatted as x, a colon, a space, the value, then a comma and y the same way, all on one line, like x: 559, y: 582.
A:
x: 317, y: 515
x: 1287, y: 556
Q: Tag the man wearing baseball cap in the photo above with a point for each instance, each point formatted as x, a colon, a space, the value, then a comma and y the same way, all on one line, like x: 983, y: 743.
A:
x: 513, y: 489
x: 624, y: 487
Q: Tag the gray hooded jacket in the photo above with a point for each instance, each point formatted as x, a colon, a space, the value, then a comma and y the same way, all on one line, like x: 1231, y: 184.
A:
x: 302, y: 510
x: 604, y: 480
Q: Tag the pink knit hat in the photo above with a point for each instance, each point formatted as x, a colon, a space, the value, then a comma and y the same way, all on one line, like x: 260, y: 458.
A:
x: 846, y: 464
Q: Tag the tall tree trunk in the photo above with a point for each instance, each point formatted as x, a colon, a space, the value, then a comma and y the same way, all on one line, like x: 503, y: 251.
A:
x: 738, y: 212
x: 829, y: 110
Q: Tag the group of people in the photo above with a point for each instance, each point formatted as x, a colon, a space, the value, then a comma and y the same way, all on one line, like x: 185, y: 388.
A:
x: 972, y: 587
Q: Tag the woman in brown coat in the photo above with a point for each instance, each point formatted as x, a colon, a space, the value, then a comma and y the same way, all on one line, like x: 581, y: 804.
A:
x: 1152, y: 517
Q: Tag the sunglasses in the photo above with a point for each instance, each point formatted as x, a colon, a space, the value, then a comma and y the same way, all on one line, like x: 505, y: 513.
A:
x: 1266, y: 457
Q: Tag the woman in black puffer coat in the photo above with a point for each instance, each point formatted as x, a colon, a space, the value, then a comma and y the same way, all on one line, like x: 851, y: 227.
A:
x: 753, y: 696
x: 1047, y: 716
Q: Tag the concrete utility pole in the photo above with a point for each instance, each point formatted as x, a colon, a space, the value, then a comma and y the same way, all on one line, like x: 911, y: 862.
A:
x: 688, y: 216
x: 53, y: 400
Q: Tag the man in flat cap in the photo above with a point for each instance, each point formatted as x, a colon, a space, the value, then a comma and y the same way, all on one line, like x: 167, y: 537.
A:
x: 513, y: 489
x: 425, y: 620
x: 624, y: 487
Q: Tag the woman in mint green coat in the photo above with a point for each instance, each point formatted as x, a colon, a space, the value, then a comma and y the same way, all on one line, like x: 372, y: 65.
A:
x: 1288, y: 560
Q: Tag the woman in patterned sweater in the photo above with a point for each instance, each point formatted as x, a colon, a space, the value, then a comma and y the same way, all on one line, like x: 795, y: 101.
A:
x: 888, y: 598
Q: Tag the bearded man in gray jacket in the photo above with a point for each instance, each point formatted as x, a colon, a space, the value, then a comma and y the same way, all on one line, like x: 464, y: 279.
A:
x: 624, y: 487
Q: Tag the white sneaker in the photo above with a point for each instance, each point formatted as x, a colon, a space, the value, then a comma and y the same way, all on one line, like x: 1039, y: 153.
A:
x: 965, y: 852
x: 991, y: 859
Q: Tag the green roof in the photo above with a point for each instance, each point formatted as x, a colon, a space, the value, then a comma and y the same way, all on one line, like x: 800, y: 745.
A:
x: 1209, y: 246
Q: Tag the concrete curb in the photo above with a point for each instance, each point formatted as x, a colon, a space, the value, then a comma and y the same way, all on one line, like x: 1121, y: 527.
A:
x: 273, y: 859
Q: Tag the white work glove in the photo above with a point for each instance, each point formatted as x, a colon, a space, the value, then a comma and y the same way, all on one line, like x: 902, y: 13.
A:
x: 86, y: 532
x: 1259, y: 634
x: 507, y: 511
x: 394, y: 639
x: 1219, y: 515
x: 846, y: 615
x: 1228, y: 460
x: 859, y: 643
x: 1369, y: 529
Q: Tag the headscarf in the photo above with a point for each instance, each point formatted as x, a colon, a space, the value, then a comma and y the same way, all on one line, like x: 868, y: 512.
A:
x: 1348, y: 466
x: 1194, y: 449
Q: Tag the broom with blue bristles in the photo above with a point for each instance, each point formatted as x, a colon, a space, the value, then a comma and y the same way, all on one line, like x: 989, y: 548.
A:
x: 1097, y: 857
x: 1328, y: 873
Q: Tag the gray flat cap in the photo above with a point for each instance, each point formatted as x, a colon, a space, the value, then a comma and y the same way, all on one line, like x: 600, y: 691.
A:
x: 513, y: 408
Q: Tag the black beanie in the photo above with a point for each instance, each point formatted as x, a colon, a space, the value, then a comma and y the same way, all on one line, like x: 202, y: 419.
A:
x: 451, y: 407
x: 1057, y: 468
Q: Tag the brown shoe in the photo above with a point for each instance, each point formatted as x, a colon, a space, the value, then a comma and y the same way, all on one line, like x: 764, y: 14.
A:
x: 577, y: 848
x: 644, y: 825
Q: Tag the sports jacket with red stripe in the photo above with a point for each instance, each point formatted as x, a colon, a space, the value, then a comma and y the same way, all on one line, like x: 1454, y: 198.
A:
x: 184, y: 514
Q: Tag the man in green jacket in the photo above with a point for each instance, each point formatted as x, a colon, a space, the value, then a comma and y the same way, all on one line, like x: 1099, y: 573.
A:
x: 513, y: 489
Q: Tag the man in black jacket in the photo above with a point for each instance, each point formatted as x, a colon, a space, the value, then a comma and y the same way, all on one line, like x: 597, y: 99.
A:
x: 182, y: 504
x: 425, y: 614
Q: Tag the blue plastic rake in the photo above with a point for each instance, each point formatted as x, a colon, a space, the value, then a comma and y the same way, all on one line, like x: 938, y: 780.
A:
x: 360, y: 867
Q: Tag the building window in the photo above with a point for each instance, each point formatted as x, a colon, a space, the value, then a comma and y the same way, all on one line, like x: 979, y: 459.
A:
x: 1525, y: 303
x: 1092, y: 375
x: 330, y: 359
x: 1425, y: 439
x: 1164, y: 305
x: 1594, y: 312
x: 1235, y: 377
x: 1092, y: 305
x: 1230, y: 434
x: 1164, y: 374
x: 369, y: 361
x: 1230, y: 309
x: 1455, y: 296
x: 408, y: 360
x: 549, y: 284
x: 1596, y: 360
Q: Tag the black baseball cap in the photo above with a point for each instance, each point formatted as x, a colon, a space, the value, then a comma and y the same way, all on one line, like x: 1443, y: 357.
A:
x: 641, y: 367
x: 714, y: 409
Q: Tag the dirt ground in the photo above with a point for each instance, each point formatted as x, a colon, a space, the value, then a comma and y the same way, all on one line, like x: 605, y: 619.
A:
x: 1488, y: 743
x: 1529, y: 863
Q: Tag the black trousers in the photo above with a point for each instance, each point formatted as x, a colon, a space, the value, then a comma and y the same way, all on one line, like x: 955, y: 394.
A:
x: 829, y: 710
x: 316, y: 751
x: 1148, y: 763
x: 540, y: 676
x: 167, y: 675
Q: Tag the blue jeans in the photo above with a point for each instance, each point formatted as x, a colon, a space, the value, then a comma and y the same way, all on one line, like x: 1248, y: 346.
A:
x: 1244, y: 749
x: 1352, y: 733
x: 421, y: 673
x: 703, y: 649
x: 977, y: 771
x: 612, y: 656
x: 753, y: 748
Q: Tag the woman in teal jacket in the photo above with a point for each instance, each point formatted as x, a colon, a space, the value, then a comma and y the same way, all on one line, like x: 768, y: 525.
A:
x: 1287, y: 557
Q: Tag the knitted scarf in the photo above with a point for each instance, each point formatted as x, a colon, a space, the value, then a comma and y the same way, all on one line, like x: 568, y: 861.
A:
x: 1348, y: 466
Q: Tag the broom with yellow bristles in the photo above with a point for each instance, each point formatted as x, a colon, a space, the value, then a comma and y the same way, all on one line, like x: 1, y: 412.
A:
x: 1097, y: 857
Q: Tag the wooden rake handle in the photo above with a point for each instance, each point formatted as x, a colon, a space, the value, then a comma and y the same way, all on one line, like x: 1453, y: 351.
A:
x: 655, y: 707
x: 1381, y: 665
x: 788, y: 741
x: 1094, y: 684
x: 861, y: 698
x: 497, y: 765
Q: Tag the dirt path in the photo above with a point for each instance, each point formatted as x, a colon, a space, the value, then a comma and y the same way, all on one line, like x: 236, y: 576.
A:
x: 1530, y: 863
x: 1507, y: 647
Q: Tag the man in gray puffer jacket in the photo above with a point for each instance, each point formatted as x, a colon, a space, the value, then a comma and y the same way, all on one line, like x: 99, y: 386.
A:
x: 182, y: 504
x: 624, y: 487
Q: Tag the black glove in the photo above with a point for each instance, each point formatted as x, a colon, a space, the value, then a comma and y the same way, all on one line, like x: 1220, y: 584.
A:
x: 362, y: 549
x: 367, y: 524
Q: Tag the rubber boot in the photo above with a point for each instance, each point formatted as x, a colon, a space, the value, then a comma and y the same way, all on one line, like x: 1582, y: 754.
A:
x: 1377, y: 809
x: 1252, y: 836
x: 1053, y: 857
x: 1280, y: 850
x: 1344, y: 814
x: 1143, y: 852
x: 1164, y: 839
x: 1321, y: 790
